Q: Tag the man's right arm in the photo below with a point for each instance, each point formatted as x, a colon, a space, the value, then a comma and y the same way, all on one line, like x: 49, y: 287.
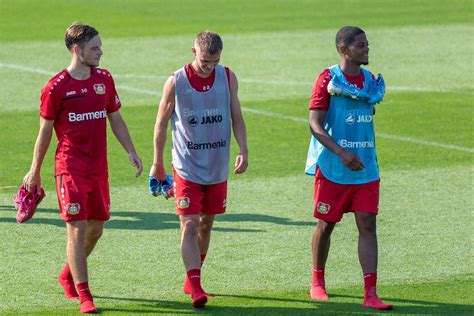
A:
x: 316, y: 123
x: 165, y: 111
x: 33, y: 178
x: 318, y: 107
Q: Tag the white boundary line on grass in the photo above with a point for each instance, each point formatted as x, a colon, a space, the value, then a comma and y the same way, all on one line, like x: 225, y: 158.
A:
x: 260, y: 112
x: 268, y: 82
x: 50, y: 73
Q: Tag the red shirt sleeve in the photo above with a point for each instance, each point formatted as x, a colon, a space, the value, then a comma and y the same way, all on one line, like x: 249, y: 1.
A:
x: 50, y: 101
x: 113, y: 103
x: 227, y: 71
x: 319, y: 93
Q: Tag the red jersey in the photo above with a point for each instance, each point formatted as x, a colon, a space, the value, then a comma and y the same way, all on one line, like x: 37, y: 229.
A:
x: 79, y: 109
x: 202, y: 84
x: 319, y: 94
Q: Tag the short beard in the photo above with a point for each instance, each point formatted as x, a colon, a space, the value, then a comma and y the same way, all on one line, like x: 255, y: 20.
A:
x: 85, y: 63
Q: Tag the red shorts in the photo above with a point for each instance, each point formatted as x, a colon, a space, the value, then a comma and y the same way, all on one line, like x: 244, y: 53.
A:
x: 83, y: 198
x: 194, y: 198
x: 332, y: 200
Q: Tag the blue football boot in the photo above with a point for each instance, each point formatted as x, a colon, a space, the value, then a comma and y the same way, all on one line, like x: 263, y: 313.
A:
x: 167, y: 187
x: 154, y: 186
x: 337, y: 87
x: 377, y: 90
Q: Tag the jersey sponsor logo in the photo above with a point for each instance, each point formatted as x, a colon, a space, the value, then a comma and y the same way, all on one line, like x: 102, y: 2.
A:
x: 207, y: 146
x: 183, y: 202
x: 211, y: 119
x: 323, y: 208
x: 206, y: 112
x: 358, y: 118
x: 350, y: 119
x: 73, y: 92
x: 207, y: 116
x: 99, y: 88
x: 78, y: 117
x: 193, y: 120
x: 73, y: 208
x: 349, y: 144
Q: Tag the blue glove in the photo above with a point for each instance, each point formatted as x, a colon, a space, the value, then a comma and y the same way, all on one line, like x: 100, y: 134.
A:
x: 154, y: 186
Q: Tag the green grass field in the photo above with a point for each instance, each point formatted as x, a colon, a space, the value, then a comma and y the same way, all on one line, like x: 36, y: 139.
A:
x: 260, y: 260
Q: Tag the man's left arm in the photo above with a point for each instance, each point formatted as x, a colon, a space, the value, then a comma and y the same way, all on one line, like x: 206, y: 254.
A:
x: 238, y: 126
x: 121, y: 132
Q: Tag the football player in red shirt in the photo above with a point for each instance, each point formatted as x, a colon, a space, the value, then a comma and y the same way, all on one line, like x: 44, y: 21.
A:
x: 76, y: 103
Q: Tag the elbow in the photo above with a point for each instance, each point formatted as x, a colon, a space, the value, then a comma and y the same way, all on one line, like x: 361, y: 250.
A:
x: 46, y: 133
x: 313, y: 129
x: 238, y: 123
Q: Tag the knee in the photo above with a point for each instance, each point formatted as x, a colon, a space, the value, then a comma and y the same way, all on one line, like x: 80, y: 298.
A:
x: 76, y: 235
x: 95, y: 233
x: 324, y: 229
x: 190, y: 227
x: 367, y: 227
x: 205, y: 226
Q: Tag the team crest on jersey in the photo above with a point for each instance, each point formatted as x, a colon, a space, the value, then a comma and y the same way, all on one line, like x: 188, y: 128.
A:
x: 73, y: 208
x: 182, y: 202
x: 99, y: 88
x: 323, y: 208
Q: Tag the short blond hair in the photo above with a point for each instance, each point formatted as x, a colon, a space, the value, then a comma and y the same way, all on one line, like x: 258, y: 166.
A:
x: 209, y: 42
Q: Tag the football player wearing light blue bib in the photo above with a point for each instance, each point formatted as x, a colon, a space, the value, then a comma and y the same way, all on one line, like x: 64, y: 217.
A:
x: 343, y: 159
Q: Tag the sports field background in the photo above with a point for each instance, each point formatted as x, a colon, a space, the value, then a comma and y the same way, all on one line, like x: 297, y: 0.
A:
x: 259, y: 261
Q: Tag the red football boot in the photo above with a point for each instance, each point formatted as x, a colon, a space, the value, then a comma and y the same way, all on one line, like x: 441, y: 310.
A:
x: 318, y: 292
x: 376, y: 303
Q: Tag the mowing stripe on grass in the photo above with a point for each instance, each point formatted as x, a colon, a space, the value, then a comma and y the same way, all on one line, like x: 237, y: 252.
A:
x: 266, y: 82
x: 381, y: 135
x: 267, y: 113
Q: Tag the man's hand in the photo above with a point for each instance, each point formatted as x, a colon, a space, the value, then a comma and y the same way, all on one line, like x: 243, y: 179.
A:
x: 136, y: 162
x: 158, y: 171
x: 31, y: 181
x: 351, y: 161
x: 157, y: 174
x: 241, y: 163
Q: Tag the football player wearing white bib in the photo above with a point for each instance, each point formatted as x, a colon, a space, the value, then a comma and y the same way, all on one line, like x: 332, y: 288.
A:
x: 202, y: 103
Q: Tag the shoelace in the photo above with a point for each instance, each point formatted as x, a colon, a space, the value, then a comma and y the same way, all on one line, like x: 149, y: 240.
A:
x: 24, y: 201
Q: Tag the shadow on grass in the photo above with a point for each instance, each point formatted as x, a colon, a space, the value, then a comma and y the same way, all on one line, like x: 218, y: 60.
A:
x: 263, y: 305
x: 160, y: 221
